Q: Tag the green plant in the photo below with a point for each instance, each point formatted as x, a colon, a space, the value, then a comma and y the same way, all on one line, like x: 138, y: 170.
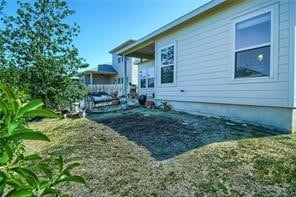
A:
x: 37, y: 51
x: 165, y: 106
x: 16, y: 178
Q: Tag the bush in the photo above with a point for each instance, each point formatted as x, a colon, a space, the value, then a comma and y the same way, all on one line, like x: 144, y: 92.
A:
x: 16, y: 178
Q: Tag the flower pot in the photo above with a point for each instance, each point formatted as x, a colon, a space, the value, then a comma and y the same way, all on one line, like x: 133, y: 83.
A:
x: 142, y: 99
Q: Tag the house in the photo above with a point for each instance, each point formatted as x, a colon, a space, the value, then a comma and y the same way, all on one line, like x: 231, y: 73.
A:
x: 102, y: 74
x: 127, y: 68
x: 234, y: 59
x: 109, y: 78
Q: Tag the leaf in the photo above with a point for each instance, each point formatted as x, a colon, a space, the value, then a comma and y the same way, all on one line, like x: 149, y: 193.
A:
x: 9, y: 151
x: 60, y: 164
x: 45, y: 169
x: 8, y: 92
x: 6, y: 155
x: 33, y: 105
x: 24, y: 192
x: 4, y: 158
x: 34, y: 135
x: 12, y: 126
x: 28, y: 175
x: 13, y: 182
x: 3, y: 106
x: 70, y: 167
x: 52, y: 191
x: 3, y: 181
x: 16, y: 105
x: 32, y: 157
x: 44, y: 184
x: 19, y: 158
x: 41, y: 113
x: 77, y: 179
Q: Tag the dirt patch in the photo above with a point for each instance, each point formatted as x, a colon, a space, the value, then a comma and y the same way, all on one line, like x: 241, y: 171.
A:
x: 166, y: 137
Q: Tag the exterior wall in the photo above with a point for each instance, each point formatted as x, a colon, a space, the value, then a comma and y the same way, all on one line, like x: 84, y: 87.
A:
x: 132, y: 72
x: 102, y: 79
x: 292, y: 70
x: 273, y: 117
x: 146, y: 91
x: 204, y: 61
x: 119, y: 67
x: 86, y: 79
x: 98, y: 79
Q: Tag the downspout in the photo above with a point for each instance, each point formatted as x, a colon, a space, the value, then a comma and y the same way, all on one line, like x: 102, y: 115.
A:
x: 125, y: 85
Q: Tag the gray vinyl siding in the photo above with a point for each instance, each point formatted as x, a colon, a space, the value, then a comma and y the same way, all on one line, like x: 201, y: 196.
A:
x: 203, y: 67
x: 292, y: 69
x: 132, y: 72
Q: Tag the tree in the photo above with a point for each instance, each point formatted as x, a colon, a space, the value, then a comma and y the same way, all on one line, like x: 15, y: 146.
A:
x: 39, y: 47
x: 2, y: 41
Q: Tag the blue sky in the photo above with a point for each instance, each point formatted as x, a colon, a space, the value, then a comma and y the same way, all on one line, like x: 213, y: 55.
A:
x: 107, y: 23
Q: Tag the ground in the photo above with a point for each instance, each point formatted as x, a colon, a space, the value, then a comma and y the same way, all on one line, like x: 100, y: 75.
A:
x: 144, y: 152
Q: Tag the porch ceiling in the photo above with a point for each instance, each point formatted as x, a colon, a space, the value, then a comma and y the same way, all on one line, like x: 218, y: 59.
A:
x: 146, y: 52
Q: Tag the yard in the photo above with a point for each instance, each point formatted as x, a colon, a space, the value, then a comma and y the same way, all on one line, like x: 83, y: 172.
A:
x: 144, y: 152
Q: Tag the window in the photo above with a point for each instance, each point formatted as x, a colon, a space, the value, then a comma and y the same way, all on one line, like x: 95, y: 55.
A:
x: 150, y: 77
x: 143, y: 78
x: 151, y: 82
x: 167, y: 64
x: 119, y: 59
x: 120, y: 80
x: 253, y: 47
x: 147, y: 77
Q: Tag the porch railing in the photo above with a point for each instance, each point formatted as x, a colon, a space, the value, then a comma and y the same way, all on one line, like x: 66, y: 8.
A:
x: 108, y: 88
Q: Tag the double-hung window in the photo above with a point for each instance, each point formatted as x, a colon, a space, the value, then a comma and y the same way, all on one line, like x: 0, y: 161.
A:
x: 119, y: 59
x: 147, y: 77
x: 167, y: 64
x: 150, y: 77
x: 253, y: 45
x: 120, y: 80
x: 143, y: 75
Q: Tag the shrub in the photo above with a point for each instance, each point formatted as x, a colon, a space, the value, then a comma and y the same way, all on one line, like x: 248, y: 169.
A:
x: 16, y: 178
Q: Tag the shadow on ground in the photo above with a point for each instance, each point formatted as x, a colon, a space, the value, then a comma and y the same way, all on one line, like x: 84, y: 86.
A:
x: 165, y: 136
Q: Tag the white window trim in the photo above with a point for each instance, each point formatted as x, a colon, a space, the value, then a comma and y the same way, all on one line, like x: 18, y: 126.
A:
x: 274, y: 10
x: 174, y: 43
x: 148, y: 83
x: 146, y: 78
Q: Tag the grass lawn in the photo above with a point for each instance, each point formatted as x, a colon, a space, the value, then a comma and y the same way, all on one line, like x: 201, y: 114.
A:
x: 148, y: 152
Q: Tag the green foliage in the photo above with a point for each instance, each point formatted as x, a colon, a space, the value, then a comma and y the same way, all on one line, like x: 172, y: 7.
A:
x: 39, y: 55
x: 15, y: 178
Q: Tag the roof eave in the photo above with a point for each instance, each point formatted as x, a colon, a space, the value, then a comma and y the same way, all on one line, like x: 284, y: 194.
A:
x: 149, y: 38
x: 122, y: 45
x: 98, y: 72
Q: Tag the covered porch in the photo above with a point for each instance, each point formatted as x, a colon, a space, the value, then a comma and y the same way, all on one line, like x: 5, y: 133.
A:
x: 144, y: 52
x: 96, y: 77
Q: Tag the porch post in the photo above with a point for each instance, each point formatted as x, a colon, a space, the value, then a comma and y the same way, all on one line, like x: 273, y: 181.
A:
x: 91, y: 78
x: 125, y: 76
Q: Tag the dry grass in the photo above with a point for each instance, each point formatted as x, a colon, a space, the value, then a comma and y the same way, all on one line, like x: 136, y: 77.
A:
x: 115, y: 160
